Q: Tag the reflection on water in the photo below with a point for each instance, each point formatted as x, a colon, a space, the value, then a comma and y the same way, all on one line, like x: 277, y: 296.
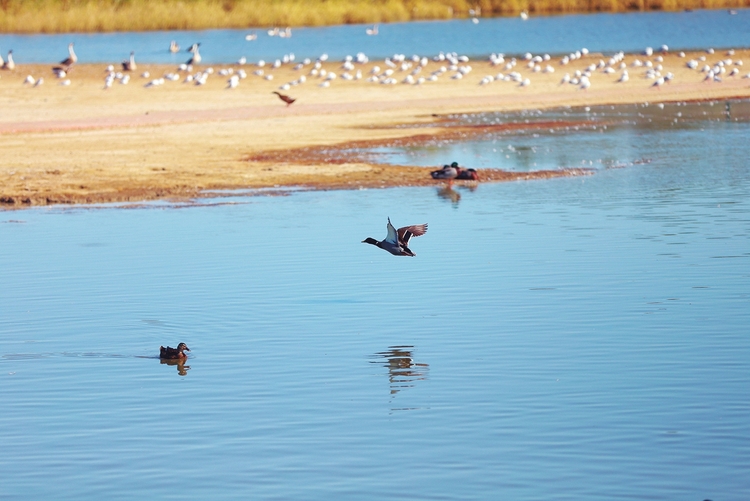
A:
x: 450, y: 191
x: 180, y: 364
x: 403, y: 371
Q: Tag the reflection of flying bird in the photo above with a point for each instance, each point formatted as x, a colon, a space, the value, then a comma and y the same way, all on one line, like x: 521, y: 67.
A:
x: 173, y: 353
x: 288, y: 100
x: 397, y: 241
x: 402, y: 369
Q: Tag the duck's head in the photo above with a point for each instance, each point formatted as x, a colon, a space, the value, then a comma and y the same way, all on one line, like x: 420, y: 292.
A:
x: 370, y: 240
x: 182, y: 347
x: 454, y: 164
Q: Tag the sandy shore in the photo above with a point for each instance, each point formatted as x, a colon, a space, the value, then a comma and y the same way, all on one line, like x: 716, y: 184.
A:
x: 83, y: 143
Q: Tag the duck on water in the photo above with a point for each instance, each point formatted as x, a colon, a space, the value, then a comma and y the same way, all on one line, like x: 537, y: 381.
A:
x: 170, y: 353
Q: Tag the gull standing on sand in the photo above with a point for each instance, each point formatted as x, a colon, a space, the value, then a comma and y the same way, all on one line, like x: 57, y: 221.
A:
x: 72, y: 59
x: 130, y: 65
x: 9, y: 64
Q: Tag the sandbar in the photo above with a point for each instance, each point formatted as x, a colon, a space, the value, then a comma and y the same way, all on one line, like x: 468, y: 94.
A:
x: 84, y: 143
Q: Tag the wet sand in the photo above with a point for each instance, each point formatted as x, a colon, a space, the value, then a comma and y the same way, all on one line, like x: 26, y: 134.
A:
x: 83, y: 143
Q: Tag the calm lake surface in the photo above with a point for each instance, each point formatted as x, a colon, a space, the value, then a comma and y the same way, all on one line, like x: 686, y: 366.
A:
x: 609, y: 33
x: 584, y: 338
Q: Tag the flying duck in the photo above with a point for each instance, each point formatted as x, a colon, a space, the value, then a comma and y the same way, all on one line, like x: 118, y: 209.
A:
x: 130, y: 64
x: 397, y: 241
x: 173, y: 353
x: 288, y: 100
x: 173, y: 47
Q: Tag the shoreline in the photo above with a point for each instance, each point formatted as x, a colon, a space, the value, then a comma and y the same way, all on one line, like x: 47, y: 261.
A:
x: 81, y: 143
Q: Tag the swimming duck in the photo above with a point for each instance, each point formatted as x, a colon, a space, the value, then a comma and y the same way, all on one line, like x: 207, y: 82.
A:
x: 130, y: 64
x: 397, y: 241
x: 173, y: 353
x: 447, y: 172
x: 288, y: 100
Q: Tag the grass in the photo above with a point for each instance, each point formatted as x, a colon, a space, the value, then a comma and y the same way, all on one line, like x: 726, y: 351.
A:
x: 61, y: 16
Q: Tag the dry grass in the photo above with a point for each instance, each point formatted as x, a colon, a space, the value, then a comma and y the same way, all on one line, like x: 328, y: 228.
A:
x: 59, y: 16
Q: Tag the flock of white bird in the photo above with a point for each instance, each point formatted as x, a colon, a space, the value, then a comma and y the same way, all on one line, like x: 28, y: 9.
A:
x: 400, y: 69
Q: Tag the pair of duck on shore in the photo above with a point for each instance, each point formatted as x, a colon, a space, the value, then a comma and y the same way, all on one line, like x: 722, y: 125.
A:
x: 453, y: 171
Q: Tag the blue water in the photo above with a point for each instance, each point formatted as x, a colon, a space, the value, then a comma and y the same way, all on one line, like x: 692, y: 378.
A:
x: 583, y: 338
x: 595, y: 137
x: 608, y: 33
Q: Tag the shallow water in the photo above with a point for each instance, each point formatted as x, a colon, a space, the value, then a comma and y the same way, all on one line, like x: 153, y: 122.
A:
x: 594, y: 137
x: 609, y: 33
x: 582, y: 338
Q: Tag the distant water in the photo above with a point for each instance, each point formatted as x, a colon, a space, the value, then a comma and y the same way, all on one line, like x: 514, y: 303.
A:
x: 552, y: 34
x: 582, y: 338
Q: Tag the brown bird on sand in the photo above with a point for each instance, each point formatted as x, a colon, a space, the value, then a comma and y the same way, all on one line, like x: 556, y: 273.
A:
x: 288, y: 100
x: 173, y: 353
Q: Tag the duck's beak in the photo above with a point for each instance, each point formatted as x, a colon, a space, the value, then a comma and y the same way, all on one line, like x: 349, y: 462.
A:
x: 188, y: 349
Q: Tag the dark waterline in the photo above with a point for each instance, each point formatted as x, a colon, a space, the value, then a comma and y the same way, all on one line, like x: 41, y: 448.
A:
x: 607, y: 33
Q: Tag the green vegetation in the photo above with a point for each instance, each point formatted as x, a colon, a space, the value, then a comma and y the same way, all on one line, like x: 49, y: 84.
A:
x: 59, y: 16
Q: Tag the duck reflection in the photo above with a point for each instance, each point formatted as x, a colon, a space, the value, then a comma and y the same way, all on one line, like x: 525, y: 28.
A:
x: 179, y: 363
x: 403, y: 371
x: 448, y: 193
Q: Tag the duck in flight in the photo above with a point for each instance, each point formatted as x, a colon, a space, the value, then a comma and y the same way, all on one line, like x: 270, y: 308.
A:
x: 397, y: 241
x: 169, y: 353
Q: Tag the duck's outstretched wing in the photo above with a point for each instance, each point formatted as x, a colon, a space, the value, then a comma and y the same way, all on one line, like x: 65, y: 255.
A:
x: 416, y: 230
x: 393, y: 236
